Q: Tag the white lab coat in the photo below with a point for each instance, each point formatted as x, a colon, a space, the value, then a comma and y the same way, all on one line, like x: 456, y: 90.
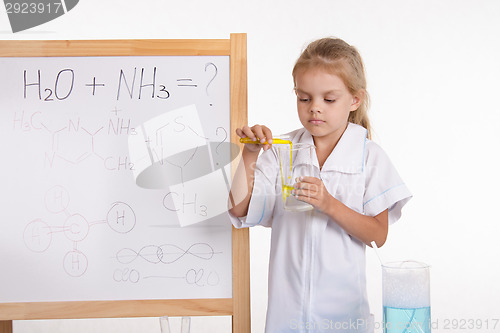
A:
x: 317, y: 277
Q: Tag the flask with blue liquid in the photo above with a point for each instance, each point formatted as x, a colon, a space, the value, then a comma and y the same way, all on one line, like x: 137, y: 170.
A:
x: 406, y: 297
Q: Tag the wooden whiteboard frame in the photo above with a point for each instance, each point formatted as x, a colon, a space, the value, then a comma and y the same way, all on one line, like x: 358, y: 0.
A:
x: 239, y: 305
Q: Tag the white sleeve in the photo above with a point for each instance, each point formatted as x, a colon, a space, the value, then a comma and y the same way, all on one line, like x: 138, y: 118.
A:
x: 384, y: 187
x: 264, y: 194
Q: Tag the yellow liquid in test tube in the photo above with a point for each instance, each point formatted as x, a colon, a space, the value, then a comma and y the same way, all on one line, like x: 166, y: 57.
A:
x: 275, y: 141
x: 286, y: 189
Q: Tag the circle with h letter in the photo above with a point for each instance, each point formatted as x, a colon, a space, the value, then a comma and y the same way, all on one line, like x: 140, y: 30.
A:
x: 121, y: 217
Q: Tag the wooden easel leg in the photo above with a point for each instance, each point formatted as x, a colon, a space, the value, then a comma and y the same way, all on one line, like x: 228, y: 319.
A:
x: 5, y: 326
x: 241, y: 240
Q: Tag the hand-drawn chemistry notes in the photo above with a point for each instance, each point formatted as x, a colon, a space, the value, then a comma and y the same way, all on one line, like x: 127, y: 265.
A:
x: 104, y: 158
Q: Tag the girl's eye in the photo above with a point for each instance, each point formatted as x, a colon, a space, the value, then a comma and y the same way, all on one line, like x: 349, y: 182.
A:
x: 329, y: 100
x: 304, y: 99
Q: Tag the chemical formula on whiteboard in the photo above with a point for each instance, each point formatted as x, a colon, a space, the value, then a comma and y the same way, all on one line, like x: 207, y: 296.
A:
x: 76, y: 142
x: 38, y: 233
x: 61, y: 87
x: 136, y: 83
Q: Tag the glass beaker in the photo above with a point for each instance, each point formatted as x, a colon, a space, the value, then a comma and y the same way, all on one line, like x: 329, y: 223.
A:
x: 406, y: 297
x: 165, y: 324
x: 296, y: 160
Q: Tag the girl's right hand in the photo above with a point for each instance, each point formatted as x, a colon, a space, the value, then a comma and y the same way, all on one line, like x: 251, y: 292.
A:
x: 255, y: 132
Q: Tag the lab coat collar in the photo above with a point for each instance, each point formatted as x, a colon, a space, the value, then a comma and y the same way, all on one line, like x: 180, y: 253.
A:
x: 349, y: 153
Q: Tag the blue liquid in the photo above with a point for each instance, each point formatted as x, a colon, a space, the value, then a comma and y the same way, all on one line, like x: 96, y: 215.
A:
x: 413, y: 320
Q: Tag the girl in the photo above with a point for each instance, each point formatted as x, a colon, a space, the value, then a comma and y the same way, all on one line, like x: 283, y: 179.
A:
x: 317, y: 263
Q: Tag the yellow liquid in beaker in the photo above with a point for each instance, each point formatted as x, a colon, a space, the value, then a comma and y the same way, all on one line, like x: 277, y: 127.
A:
x: 287, y: 189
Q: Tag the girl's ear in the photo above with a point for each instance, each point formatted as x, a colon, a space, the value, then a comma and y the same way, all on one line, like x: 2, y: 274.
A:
x: 357, y: 99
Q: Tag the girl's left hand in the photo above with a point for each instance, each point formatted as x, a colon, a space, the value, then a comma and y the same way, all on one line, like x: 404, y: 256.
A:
x: 313, y: 191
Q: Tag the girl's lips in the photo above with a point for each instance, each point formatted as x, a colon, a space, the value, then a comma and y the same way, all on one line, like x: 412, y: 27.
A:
x: 316, y: 121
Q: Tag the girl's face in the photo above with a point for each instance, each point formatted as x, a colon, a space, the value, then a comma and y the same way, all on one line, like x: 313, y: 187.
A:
x: 323, y: 103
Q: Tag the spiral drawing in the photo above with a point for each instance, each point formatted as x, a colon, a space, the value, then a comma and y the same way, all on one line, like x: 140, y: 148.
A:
x: 165, y: 254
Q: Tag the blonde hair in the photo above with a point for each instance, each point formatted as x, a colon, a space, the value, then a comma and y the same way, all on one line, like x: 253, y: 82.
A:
x: 339, y: 58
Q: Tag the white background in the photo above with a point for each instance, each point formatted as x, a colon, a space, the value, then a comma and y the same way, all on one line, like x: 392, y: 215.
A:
x: 432, y: 69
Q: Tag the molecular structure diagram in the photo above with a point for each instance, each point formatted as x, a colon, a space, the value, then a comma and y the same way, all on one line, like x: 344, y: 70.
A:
x: 76, y: 142
x: 38, y: 234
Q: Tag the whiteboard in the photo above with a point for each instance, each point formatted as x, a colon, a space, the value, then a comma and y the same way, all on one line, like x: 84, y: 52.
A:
x: 75, y: 225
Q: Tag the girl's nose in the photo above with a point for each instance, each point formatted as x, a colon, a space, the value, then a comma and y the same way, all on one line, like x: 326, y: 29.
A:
x: 315, y: 108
